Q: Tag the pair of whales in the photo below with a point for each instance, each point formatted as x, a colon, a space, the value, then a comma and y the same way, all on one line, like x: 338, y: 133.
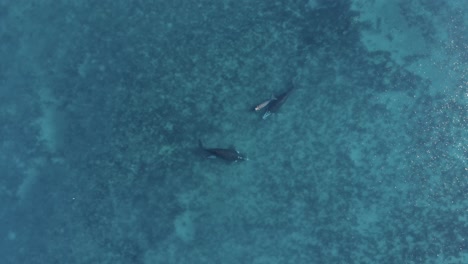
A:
x: 232, y: 155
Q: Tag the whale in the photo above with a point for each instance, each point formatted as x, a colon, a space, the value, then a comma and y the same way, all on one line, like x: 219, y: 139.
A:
x: 275, y: 105
x: 264, y: 103
x: 229, y: 154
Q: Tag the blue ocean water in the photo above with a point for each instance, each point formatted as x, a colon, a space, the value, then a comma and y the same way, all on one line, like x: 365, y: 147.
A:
x: 102, y: 104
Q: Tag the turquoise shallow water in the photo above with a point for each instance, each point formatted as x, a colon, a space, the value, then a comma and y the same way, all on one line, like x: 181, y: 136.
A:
x: 103, y: 104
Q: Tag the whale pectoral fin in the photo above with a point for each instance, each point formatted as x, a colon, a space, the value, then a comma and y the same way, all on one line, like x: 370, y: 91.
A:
x: 266, y: 114
x: 200, y: 144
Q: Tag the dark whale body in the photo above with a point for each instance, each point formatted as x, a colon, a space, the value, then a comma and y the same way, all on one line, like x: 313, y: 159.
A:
x: 231, y: 155
x: 275, y: 105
